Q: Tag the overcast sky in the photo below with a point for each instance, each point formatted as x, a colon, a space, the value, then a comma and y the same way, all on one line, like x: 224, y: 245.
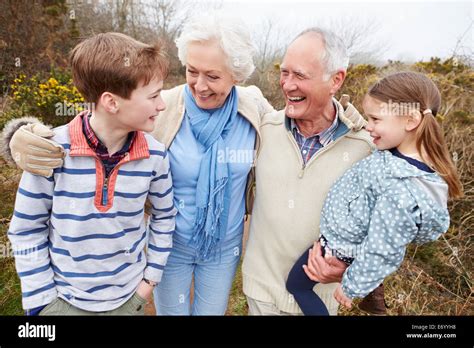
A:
x: 410, y: 30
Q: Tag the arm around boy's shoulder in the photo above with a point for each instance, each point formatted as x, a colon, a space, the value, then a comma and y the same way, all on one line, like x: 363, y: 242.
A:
x: 25, y: 142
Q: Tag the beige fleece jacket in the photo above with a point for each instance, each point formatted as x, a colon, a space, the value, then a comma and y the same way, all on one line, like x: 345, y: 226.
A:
x: 288, y: 203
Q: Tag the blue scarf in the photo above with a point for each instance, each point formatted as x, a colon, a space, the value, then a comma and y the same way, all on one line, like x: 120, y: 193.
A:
x: 210, y: 128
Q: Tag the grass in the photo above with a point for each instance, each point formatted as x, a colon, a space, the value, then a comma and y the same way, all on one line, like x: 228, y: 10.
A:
x: 237, y: 301
x: 10, y: 293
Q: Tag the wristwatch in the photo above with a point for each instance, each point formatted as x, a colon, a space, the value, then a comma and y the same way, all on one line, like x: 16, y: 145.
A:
x: 149, y: 282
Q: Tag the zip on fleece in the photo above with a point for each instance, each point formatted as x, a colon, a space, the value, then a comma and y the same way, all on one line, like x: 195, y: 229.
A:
x: 105, y: 185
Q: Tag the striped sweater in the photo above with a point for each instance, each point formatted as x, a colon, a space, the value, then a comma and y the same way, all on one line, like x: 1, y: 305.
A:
x: 83, y: 237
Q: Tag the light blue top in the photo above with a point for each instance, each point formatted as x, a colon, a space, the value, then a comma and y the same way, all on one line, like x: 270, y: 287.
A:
x: 185, y: 158
x: 375, y: 209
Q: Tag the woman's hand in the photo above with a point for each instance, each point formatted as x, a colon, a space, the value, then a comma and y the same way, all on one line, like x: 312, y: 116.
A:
x: 145, y: 290
x: 30, y: 148
x: 323, y: 269
x: 342, y: 298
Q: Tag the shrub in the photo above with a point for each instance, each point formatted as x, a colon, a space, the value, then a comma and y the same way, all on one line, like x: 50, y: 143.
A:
x: 53, y: 98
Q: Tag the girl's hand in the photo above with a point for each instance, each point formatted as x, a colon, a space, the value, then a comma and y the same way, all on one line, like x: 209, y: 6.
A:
x: 342, y: 298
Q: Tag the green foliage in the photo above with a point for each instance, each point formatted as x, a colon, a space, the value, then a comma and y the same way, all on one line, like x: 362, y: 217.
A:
x: 437, y: 66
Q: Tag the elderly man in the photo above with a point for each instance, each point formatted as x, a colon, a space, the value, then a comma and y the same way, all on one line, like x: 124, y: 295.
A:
x: 305, y: 148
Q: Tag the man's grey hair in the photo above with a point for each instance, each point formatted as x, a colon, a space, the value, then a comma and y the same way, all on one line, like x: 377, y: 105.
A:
x: 335, y: 56
x: 230, y: 33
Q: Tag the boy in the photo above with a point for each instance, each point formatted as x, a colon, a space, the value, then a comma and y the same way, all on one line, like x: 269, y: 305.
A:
x: 81, y: 243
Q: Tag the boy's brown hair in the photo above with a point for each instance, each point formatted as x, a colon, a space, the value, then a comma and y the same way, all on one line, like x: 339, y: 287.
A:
x: 115, y: 63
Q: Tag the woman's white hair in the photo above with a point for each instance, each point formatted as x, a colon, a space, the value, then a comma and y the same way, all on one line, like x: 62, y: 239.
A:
x: 335, y: 56
x: 231, y: 35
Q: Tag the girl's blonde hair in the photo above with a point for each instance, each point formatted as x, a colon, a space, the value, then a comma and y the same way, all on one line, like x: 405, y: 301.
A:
x: 415, y: 88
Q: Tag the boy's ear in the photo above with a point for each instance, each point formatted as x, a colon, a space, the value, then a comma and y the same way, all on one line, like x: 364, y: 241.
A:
x: 109, y: 102
x: 413, y: 120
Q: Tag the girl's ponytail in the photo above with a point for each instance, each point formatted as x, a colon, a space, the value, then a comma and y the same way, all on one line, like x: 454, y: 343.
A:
x: 429, y: 136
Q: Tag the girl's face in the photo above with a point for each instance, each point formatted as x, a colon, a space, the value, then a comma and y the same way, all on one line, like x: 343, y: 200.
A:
x: 207, y: 75
x: 387, y: 129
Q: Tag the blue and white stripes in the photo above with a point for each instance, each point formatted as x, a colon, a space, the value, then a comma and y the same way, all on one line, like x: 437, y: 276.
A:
x: 94, y: 260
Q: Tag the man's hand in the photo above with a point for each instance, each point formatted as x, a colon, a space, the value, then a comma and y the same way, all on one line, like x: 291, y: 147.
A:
x: 342, y: 298
x: 145, y: 290
x: 33, y: 152
x: 351, y: 113
x: 323, y: 269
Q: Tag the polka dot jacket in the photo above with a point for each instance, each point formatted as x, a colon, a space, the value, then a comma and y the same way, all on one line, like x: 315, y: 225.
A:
x: 375, y: 209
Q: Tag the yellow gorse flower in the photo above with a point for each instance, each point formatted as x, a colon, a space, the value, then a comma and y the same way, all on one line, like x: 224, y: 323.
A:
x: 41, y: 96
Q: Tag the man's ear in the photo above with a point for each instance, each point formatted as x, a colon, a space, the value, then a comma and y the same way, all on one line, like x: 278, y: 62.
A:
x: 413, y: 120
x: 109, y: 102
x: 337, y: 80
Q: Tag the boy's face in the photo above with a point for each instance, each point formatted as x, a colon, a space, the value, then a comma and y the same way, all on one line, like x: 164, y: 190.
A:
x: 139, y: 112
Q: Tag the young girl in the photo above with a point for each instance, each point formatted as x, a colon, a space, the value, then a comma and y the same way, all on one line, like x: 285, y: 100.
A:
x: 395, y: 196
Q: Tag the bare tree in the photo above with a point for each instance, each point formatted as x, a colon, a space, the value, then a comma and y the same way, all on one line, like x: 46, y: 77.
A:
x: 464, y: 51
x: 270, y: 42
x: 361, y: 38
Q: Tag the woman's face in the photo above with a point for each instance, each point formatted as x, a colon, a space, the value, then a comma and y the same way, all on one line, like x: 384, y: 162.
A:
x: 207, y: 74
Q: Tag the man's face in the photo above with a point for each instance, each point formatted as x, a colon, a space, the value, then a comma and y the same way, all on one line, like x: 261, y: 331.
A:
x: 301, y: 78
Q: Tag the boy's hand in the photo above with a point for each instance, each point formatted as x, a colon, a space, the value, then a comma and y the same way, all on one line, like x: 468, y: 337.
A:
x: 35, y: 311
x: 145, y: 290
x: 342, y: 298
x: 323, y: 269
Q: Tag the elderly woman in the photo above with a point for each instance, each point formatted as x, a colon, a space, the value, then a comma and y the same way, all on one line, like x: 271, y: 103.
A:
x: 211, y: 129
